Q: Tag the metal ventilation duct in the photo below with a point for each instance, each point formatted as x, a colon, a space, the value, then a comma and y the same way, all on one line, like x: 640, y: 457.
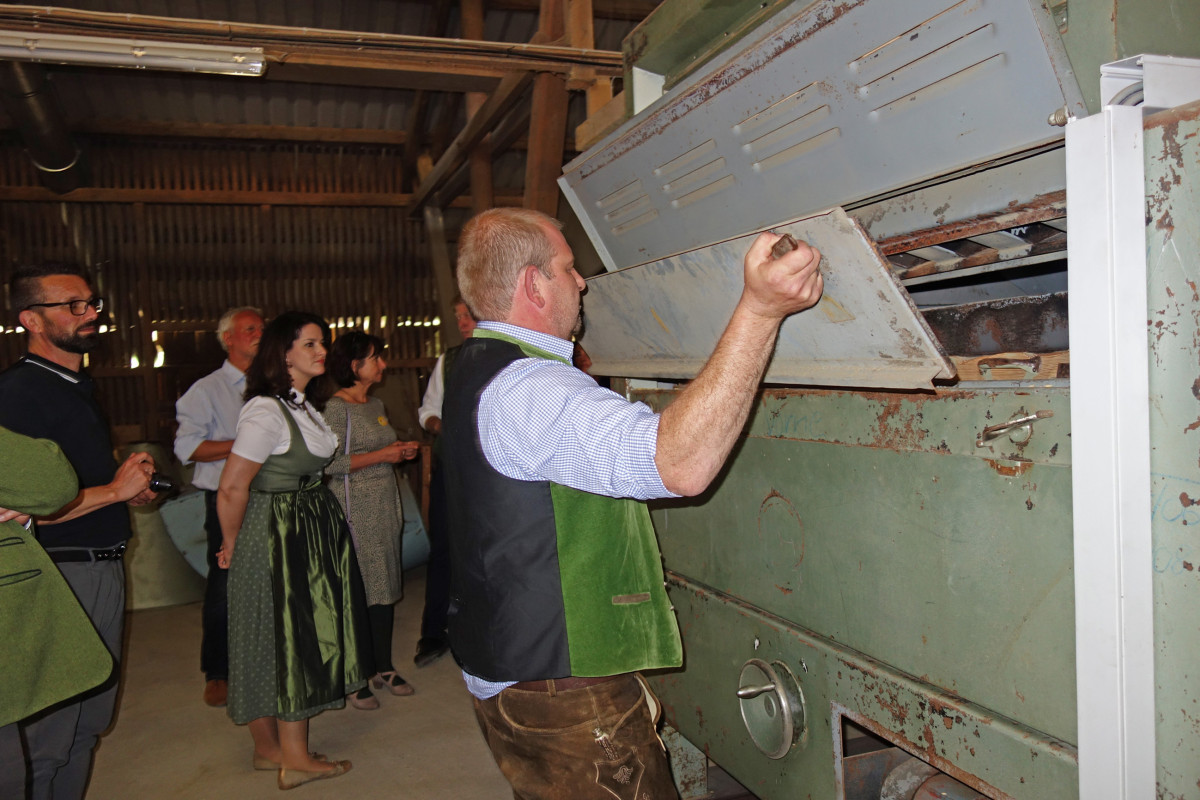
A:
x: 29, y: 99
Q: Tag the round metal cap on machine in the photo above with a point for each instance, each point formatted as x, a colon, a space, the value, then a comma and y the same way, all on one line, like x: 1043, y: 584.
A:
x: 772, y: 706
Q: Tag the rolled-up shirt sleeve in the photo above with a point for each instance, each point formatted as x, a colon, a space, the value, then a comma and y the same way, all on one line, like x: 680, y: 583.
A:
x: 193, y: 410
x: 546, y: 420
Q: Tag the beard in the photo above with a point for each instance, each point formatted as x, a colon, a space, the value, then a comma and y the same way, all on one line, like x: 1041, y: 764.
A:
x: 577, y: 330
x: 76, y: 341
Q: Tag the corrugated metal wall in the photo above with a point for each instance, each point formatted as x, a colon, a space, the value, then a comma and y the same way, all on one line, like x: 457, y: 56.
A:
x: 169, y: 269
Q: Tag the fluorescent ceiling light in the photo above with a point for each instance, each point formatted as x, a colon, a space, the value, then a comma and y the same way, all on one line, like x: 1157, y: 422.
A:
x: 96, y: 51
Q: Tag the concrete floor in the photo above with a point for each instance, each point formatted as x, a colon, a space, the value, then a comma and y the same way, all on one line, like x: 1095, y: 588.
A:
x: 166, y: 743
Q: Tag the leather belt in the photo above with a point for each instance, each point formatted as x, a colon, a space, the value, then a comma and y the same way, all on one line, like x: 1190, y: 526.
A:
x: 553, y: 685
x: 87, y: 554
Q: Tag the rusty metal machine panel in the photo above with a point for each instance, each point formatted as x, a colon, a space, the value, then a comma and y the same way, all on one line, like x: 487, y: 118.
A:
x: 881, y: 585
x: 828, y: 104
x: 663, y: 319
x: 1172, y: 153
x: 908, y: 559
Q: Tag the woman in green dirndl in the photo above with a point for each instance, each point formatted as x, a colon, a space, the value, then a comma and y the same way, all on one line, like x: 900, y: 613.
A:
x: 297, y: 613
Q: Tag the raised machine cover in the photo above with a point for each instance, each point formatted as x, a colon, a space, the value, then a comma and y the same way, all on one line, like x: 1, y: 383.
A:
x: 662, y: 320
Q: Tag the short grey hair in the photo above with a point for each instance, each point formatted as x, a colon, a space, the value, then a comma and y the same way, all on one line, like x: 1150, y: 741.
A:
x: 494, y: 247
x: 227, y: 322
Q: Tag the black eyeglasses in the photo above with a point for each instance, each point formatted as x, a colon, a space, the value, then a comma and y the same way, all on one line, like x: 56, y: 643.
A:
x: 78, y: 307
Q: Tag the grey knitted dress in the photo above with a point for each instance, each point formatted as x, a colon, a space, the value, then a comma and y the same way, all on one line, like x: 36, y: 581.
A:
x: 373, y: 506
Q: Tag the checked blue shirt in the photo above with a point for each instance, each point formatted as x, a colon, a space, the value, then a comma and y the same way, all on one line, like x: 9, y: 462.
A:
x: 545, y: 420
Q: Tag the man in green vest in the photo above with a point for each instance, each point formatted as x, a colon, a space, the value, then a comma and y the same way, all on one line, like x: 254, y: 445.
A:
x: 557, y: 596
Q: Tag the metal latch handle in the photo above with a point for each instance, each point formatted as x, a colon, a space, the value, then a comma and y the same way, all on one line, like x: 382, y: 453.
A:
x: 996, y: 431
x: 748, y: 692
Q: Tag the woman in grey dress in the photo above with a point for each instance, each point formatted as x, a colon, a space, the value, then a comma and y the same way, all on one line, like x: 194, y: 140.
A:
x: 363, y: 479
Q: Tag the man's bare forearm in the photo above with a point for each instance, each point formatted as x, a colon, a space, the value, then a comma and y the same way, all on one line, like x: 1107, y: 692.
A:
x: 698, y: 430
x: 215, y: 450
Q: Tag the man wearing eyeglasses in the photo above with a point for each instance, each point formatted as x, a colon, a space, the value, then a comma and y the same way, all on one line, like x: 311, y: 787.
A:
x: 48, y: 395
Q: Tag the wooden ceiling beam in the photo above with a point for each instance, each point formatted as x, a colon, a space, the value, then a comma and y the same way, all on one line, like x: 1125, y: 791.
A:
x: 636, y: 10
x: 265, y: 133
x: 496, y: 106
x: 38, y: 194
x: 288, y: 49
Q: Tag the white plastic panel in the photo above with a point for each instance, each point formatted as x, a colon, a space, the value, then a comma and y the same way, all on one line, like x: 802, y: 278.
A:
x: 662, y: 320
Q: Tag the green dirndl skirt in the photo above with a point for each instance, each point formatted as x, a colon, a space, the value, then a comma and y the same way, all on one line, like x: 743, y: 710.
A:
x: 298, y: 633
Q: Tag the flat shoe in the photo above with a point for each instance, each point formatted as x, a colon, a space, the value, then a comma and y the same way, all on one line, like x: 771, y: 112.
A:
x: 368, y: 703
x: 291, y: 778
x: 264, y: 763
x: 394, y: 684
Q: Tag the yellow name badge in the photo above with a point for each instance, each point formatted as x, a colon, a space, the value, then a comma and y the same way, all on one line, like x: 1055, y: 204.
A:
x: 382, y: 420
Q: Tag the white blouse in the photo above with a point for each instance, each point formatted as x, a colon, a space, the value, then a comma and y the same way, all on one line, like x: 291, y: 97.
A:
x: 262, y: 430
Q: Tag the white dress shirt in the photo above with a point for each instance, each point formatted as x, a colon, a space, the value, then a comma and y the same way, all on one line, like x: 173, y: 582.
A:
x: 208, y: 412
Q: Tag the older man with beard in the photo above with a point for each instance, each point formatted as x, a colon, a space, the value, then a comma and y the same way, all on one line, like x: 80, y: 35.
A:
x: 48, y: 395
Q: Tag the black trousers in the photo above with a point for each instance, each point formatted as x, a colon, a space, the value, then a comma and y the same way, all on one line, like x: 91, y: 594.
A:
x: 437, y: 572
x: 214, y: 643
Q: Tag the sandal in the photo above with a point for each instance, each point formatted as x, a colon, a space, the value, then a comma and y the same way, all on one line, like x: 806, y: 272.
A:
x: 394, y: 683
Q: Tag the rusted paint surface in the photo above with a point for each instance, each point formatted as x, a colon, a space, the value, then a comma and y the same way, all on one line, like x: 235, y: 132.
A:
x: 1023, y: 324
x: 990, y: 753
x: 1043, y: 207
x: 1011, y: 469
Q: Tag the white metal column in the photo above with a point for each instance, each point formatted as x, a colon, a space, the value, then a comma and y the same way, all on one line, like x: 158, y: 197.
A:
x: 1110, y: 441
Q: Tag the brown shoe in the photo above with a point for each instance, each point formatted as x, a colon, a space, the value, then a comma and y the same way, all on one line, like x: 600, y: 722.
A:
x: 216, y: 692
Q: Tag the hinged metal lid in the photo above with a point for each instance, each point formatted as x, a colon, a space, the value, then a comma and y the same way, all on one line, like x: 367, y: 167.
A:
x: 662, y: 320
x: 832, y: 103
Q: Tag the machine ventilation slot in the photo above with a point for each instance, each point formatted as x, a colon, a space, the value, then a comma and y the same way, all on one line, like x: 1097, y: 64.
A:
x: 684, y: 163
x: 704, y: 192
x: 795, y: 151
x: 625, y: 194
x: 637, y: 212
x: 689, y: 180
x: 637, y: 206
x: 901, y: 76
x: 629, y: 225
x: 939, y: 89
x: 893, y: 50
x: 787, y: 132
x: 789, y: 107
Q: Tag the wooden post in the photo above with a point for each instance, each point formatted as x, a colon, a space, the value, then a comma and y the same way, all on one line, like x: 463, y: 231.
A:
x: 548, y: 120
x: 443, y: 273
x: 480, y: 159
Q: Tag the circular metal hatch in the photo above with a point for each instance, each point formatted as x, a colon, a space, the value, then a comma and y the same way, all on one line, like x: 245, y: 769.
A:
x: 772, y: 706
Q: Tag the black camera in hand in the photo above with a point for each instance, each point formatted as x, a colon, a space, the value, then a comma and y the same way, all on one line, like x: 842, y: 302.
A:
x: 160, y: 482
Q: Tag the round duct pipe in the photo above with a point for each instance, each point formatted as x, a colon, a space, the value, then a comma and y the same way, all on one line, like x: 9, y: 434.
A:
x: 29, y: 99
x: 913, y: 779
